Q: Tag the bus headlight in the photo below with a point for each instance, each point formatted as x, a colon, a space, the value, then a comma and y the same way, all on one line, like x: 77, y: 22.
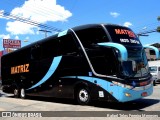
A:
x: 122, y: 85
x: 127, y: 94
x: 129, y: 87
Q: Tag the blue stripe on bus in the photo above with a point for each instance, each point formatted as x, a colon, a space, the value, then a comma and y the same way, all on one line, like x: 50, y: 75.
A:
x: 121, y: 48
x: 62, y: 33
x: 52, y: 69
x: 116, y: 91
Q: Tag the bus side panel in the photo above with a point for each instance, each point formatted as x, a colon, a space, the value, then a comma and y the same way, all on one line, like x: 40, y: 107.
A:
x: 109, y: 91
x: 56, y: 85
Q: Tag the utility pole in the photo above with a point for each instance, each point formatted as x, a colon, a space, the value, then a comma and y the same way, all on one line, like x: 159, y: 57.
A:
x: 139, y: 34
x: 45, y: 31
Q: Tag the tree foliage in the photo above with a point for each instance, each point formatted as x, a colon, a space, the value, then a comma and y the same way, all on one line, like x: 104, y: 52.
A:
x: 156, y: 45
x: 158, y: 18
x: 158, y: 28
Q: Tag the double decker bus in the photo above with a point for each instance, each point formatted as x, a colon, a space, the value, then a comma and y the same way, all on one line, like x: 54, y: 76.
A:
x: 88, y: 62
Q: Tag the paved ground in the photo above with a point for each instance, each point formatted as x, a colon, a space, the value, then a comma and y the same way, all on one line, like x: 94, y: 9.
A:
x: 151, y: 103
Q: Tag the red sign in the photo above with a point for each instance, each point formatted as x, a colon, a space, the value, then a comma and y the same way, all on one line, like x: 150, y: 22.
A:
x: 9, y: 43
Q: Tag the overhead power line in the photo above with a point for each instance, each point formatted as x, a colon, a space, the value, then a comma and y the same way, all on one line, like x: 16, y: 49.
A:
x: 40, y: 9
x: 43, y: 9
x: 45, y: 31
x: 146, y: 32
x: 28, y: 21
x: 148, y: 26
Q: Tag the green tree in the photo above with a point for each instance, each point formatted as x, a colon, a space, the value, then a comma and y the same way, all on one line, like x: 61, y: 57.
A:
x: 158, y: 28
x: 156, y: 45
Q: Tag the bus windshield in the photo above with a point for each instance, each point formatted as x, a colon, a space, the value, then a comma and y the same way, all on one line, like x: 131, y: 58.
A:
x: 107, y: 60
x: 136, y: 65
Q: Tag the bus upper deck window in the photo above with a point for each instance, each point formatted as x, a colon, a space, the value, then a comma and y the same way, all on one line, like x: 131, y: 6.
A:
x: 35, y: 52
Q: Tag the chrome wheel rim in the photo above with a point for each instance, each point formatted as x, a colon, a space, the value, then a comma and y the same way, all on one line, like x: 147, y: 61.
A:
x: 83, y: 95
x: 22, y: 93
x: 15, y: 92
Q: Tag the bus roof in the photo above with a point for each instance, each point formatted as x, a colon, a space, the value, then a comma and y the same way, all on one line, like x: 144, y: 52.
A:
x: 81, y: 27
x: 93, y: 25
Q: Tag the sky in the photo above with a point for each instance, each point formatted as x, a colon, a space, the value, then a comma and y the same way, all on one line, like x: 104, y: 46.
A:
x: 139, y: 15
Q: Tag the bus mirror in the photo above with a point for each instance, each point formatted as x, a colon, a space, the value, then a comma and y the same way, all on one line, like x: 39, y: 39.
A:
x: 119, y: 47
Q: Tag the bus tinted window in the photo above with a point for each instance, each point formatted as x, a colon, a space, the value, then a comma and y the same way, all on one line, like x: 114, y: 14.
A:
x: 92, y: 36
x: 67, y: 45
x: 49, y: 48
x: 36, y: 52
x: 105, y: 63
x: 123, y: 35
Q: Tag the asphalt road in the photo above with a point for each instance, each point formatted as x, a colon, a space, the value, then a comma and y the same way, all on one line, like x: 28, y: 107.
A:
x: 94, y: 110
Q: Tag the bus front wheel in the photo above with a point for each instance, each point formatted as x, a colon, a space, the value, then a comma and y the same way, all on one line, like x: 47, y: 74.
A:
x: 83, y: 96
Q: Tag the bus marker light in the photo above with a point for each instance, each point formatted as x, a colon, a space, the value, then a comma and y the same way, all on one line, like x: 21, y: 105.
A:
x: 133, y: 84
x: 111, y: 84
x: 143, y: 83
x: 144, y: 94
x: 127, y: 94
x: 98, y: 85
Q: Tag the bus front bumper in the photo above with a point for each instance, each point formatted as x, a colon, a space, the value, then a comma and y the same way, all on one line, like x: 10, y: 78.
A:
x: 135, y: 93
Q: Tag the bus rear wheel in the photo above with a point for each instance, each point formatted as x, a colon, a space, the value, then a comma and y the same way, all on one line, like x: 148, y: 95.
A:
x: 22, y: 93
x: 154, y: 83
x: 16, y: 92
x: 83, y: 96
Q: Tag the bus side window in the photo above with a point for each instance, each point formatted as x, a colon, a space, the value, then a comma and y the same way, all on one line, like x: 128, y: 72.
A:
x: 91, y: 36
x: 50, y: 48
x: 36, y: 52
x: 67, y: 45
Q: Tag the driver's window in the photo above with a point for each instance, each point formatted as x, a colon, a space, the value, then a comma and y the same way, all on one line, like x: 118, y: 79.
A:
x: 91, y: 36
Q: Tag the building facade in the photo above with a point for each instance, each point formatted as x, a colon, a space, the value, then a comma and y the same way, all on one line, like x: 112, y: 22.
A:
x: 151, y: 54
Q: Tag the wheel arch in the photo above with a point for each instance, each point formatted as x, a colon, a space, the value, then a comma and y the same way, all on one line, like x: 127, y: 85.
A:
x: 80, y: 85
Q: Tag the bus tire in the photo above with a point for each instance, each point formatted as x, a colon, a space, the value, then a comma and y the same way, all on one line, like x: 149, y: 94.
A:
x: 83, y: 96
x: 16, y: 92
x: 154, y: 83
x: 22, y: 93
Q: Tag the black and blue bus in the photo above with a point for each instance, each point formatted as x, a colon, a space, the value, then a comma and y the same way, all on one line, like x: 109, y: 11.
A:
x: 88, y: 62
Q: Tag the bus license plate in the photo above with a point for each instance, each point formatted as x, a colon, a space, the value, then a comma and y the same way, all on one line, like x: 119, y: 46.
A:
x: 144, y: 94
